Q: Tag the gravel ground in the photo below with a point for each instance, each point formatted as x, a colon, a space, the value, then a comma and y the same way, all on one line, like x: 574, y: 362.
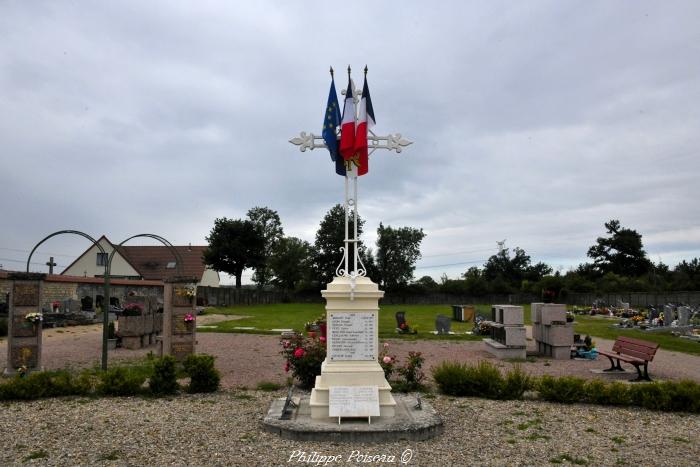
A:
x: 246, y: 359
x: 225, y: 429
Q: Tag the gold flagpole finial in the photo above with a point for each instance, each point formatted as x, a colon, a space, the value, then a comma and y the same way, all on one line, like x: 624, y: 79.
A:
x: 331, y: 72
x: 365, y: 71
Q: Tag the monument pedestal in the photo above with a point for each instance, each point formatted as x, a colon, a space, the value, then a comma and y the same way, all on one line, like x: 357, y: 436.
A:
x: 352, y: 312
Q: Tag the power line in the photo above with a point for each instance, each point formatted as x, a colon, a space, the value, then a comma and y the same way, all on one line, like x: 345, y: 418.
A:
x: 41, y: 252
x: 452, y: 264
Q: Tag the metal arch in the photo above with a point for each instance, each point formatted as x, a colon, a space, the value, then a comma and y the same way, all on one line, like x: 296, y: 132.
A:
x: 173, y: 250
x: 76, y: 232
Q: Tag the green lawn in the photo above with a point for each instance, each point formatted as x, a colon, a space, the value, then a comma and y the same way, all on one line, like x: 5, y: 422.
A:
x: 295, y: 315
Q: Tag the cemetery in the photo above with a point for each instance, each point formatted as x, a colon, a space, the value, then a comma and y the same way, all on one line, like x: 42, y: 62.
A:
x: 493, y: 260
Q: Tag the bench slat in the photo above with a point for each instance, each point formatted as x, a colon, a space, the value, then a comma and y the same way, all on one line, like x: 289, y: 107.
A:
x: 635, y: 348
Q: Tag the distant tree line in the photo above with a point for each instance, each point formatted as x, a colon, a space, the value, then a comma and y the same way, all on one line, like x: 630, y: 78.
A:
x: 618, y: 261
x: 295, y: 265
x: 619, y: 264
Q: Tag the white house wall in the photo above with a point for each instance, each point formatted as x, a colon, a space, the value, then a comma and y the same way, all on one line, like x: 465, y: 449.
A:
x: 87, y: 264
x: 210, y: 278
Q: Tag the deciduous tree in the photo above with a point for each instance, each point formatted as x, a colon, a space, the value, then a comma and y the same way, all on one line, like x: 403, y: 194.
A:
x: 234, y: 245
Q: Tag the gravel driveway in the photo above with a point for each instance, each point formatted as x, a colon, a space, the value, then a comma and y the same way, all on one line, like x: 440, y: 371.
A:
x: 246, y: 359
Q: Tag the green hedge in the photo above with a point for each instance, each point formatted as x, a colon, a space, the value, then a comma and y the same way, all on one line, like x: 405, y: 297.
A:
x: 485, y: 380
x: 161, y: 374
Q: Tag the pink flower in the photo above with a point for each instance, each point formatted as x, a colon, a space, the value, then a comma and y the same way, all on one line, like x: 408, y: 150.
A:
x: 387, y: 359
x: 299, y: 352
x: 286, y: 367
x: 286, y: 344
x: 386, y: 344
x: 322, y: 338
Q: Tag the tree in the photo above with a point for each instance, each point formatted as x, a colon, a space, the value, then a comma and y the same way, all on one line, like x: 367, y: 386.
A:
x: 234, y: 245
x: 506, y: 273
x: 621, y: 252
x: 269, y: 224
x: 329, y: 240
x: 290, y: 262
x: 474, y: 281
x: 397, y: 252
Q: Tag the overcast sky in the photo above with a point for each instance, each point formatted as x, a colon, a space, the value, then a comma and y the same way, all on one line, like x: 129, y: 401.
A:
x: 532, y: 121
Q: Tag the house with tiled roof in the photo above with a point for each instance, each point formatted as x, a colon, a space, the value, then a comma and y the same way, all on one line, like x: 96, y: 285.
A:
x: 143, y: 263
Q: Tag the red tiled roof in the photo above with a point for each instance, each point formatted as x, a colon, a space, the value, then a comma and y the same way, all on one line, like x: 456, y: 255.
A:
x: 151, y: 261
x: 90, y: 280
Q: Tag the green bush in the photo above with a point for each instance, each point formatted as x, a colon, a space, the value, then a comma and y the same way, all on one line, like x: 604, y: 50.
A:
x: 565, y: 389
x: 515, y: 384
x: 203, y: 376
x: 685, y: 396
x: 121, y: 381
x: 599, y: 392
x: 111, y: 334
x: 485, y: 381
x: 164, y: 378
x: 452, y: 378
x: 482, y: 380
x: 37, y: 385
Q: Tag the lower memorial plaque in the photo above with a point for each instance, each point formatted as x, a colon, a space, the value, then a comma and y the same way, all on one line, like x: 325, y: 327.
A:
x: 24, y: 355
x: 23, y: 328
x: 353, y: 401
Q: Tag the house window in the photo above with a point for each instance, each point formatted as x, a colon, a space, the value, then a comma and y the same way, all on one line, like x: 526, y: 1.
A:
x: 102, y: 259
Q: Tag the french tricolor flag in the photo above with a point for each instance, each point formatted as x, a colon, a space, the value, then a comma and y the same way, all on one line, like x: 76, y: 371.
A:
x: 364, y: 123
x: 347, y: 128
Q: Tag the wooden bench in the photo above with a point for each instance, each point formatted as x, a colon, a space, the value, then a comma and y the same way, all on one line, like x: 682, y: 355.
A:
x: 634, y: 351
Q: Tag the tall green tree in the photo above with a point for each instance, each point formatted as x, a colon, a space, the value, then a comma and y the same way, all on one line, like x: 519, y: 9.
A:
x: 505, y: 272
x: 290, y: 262
x: 234, y: 245
x: 621, y: 252
x: 398, y: 249
x: 329, y: 240
x: 270, y: 226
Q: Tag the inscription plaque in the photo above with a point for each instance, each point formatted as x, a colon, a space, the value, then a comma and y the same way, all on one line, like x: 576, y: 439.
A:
x: 353, y: 401
x: 24, y: 355
x: 352, y: 336
x: 180, y: 350
x: 26, y: 294
x: 23, y: 328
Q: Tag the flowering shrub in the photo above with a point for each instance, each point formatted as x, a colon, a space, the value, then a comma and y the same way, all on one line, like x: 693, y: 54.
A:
x: 132, y: 309
x: 303, y: 356
x: 188, y: 318
x: 412, y: 372
x: 34, y: 318
x: 387, y: 361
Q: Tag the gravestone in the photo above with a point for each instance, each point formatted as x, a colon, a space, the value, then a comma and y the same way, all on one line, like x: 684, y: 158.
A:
x: 443, y: 324
x: 669, y: 314
x: 683, y: 315
x: 23, y: 336
x: 507, y: 332
x: 179, y: 335
x: 554, y: 336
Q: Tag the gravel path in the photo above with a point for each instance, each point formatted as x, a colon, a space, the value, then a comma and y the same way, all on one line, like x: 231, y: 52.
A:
x: 225, y: 429
x: 247, y: 359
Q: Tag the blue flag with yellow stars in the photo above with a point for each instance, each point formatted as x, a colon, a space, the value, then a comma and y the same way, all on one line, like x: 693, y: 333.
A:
x: 331, y: 122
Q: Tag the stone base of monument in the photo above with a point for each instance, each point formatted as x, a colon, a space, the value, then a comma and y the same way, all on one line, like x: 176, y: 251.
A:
x: 407, y: 423
x: 361, y: 374
x: 503, y: 351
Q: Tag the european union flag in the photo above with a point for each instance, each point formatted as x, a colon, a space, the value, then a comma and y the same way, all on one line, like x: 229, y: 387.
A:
x: 331, y: 122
